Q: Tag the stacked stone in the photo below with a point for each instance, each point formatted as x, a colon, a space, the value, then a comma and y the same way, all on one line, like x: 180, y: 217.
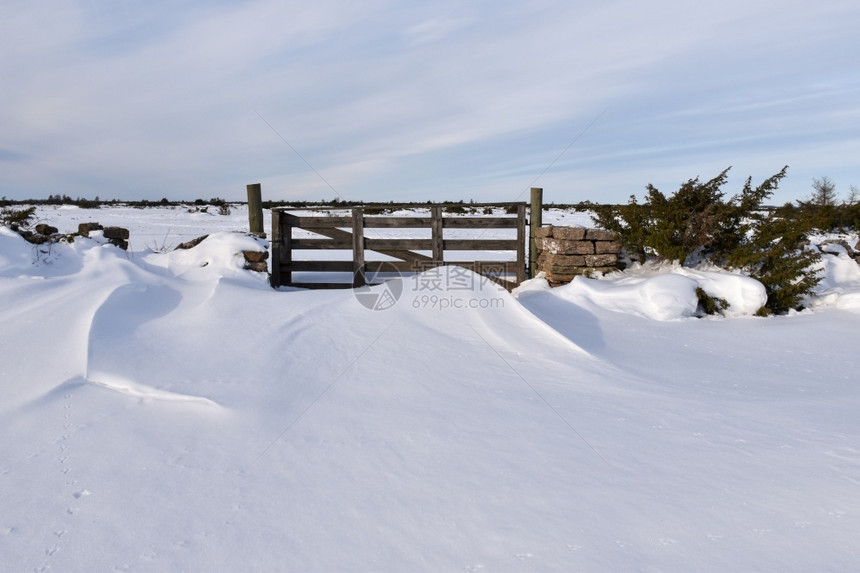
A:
x: 43, y: 234
x: 853, y: 252
x: 567, y: 252
x: 117, y: 236
x: 254, y: 260
x: 84, y: 229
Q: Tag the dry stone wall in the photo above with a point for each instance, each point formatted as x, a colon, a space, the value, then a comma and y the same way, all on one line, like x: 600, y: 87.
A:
x: 254, y: 260
x: 567, y: 252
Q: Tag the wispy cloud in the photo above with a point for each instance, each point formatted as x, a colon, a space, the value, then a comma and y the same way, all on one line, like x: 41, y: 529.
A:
x: 394, y: 100
x: 11, y: 156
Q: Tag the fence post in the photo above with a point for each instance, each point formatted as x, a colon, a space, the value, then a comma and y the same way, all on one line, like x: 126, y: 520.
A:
x: 521, y: 244
x: 535, y: 222
x: 437, y: 241
x: 358, y: 277
x: 277, y: 246
x: 255, y: 209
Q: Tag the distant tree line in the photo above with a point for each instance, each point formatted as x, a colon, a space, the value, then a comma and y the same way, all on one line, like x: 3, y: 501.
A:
x: 96, y: 202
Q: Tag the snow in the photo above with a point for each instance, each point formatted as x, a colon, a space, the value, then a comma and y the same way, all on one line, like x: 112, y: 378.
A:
x: 840, y: 284
x: 167, y: 410
x: 660, y: 292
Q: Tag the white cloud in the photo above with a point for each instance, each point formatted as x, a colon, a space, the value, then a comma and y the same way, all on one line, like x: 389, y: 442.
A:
x: 432, y: 30
x: 452, y: 92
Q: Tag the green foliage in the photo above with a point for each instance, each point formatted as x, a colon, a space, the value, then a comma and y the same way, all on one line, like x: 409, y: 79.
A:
x: 826, y: 213
x: 697, y: 223
x: 773, y: 254
x: 691, y: 222
x: 16, y: 218
x: 710, y: 304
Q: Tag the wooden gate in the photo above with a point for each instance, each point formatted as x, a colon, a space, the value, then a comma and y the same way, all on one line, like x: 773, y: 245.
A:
x: 401, y: 254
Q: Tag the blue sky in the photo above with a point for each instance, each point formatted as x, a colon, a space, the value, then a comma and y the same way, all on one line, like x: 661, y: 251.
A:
x: 408, y: 100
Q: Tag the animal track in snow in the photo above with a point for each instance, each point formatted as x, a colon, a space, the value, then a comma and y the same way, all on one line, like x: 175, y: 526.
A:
x: 64, y: 455
x: 523, y: 556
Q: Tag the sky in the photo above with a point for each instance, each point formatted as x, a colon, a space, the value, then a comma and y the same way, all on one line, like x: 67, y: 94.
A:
x: 407, y: 100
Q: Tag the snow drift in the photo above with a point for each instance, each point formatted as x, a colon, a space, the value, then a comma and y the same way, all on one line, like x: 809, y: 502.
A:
x: 667, y: 292
x: 160, y: 413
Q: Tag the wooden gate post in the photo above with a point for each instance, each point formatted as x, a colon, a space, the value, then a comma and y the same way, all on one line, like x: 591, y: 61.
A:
x: 358, y: 277
x: 282, y: 248
x: 535, y: 222
x: 255, y: 209
x: 437, y: 241
x: 277, y: 246
x: 521, y: 244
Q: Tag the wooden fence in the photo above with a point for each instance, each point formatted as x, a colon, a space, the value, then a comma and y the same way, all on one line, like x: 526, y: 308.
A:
x: 347, y: 232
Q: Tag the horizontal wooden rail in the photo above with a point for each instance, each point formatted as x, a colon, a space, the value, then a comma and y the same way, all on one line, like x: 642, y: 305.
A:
x: 379, y: 222
x: 314, y: 285
x: 408, y: 244
x: 402, y: 206
x: 480, y: 244
x: 320, y: 222
x: 504, y: 267
x: 480, y: 222
x: 314, y: 244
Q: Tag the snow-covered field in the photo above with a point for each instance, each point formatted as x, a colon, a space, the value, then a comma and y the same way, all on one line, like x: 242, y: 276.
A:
x: 163, y: 414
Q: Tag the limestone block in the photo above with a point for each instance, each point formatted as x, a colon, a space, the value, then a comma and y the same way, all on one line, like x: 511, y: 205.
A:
x: 599, y: 235
x: 551, y: 260
x: 44, y: 229
x: 569, y: 233
x: 561, y: 247
x: 260, y: 267
x: 604, y: 247
x: 192, y: 243
x: 561, y: 278
x: 544, y: 232
x: 255, y: 256
x: 605, y: 260
x: 116, y: 233
x: 85, y: 228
